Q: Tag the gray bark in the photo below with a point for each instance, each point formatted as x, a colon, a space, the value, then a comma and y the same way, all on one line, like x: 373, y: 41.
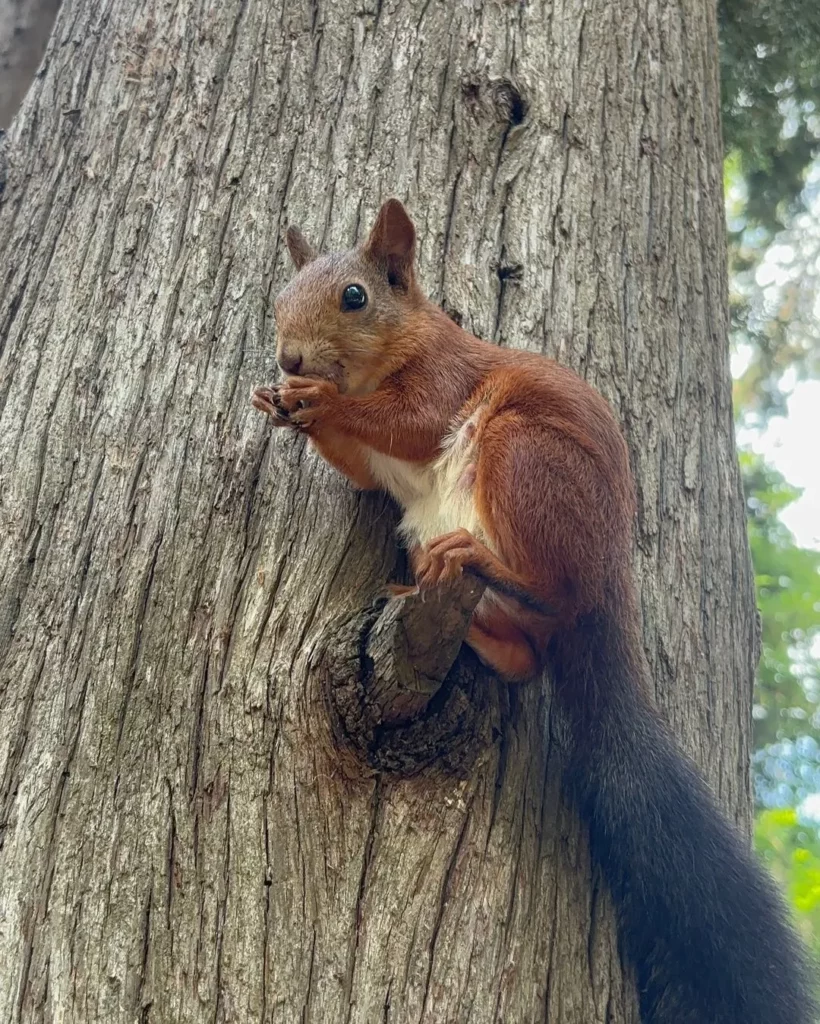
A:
x: 25, y: 26
x: 188, y: 830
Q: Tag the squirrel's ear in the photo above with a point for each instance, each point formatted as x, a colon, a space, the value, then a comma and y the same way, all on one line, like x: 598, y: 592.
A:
x: 301, y: 251
x: 393, y: 241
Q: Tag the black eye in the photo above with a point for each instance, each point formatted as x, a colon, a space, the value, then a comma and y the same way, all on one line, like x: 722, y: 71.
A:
x: 354, y: 297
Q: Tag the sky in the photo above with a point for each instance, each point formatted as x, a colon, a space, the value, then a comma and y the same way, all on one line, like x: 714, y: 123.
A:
x: 792, y: 444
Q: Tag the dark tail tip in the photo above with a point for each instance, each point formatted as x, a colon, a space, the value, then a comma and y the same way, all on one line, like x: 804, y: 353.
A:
x: 700, y: 920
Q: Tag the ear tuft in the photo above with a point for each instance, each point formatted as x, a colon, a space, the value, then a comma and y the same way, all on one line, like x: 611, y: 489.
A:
x: 392, y: 241
x: 301, y: 251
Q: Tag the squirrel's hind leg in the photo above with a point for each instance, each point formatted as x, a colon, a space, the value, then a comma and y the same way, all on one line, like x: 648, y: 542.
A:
x: 505, y: 649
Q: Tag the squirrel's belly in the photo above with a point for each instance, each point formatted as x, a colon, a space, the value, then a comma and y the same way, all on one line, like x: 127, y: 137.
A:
x: 436, y: 497
x: 442, y: 511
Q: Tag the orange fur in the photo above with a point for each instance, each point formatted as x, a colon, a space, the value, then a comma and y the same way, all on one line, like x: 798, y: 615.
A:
x: 345, y: 455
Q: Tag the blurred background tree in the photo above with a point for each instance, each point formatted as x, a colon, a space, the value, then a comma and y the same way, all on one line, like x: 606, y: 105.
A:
x: 770, y: 69
x: 788, y: 589
x: 770, y: 55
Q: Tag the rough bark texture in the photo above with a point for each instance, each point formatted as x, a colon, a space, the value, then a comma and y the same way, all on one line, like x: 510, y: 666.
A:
x: 25, y: 26
x: 185, y: 833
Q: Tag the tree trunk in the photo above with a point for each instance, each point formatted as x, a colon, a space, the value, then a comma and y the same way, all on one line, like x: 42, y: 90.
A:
x: 187, y: 829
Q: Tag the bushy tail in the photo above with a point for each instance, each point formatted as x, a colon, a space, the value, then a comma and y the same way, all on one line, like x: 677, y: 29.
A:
x: 700, y: 921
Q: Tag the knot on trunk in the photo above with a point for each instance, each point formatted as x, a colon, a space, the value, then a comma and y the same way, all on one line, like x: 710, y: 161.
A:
x: 399, y: 694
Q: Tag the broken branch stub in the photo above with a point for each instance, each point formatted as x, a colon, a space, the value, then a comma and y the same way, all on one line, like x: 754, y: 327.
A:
x: 412, y: 646
x: 399, y: 694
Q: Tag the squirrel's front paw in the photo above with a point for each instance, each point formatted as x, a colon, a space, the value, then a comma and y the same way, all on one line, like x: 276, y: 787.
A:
x: 306, y: 400
x: 268, y: 400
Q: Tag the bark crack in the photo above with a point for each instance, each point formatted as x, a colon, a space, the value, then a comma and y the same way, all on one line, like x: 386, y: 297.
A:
x: 441, y: 907
x: 375, y: 807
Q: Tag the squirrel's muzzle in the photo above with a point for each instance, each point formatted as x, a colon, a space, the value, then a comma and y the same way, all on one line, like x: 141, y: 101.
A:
x: 289, y: 361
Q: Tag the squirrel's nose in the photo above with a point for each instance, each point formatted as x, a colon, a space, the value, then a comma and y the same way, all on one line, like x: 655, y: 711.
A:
x: 289, y: 361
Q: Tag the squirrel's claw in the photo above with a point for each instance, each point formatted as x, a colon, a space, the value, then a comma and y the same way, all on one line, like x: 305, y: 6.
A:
x: 267, y: 400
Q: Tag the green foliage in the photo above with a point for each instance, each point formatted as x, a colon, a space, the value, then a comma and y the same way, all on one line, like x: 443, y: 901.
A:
x: 770, y: 71
x: 773, y: 293
x: 788, y: 593
x: 770, y: 65
x: 770, y: 82
x: 770, y: 89
x: 791, y: 852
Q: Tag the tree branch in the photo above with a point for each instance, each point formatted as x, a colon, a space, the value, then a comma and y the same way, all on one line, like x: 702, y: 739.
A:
x: 398, y: 692
x: 413, y: 643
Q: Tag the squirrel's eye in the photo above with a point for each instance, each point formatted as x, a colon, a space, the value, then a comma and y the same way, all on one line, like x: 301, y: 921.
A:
x: 354, y: 297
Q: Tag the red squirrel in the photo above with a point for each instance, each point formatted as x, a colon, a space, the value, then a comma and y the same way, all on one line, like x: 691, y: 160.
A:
x: 513, y: 468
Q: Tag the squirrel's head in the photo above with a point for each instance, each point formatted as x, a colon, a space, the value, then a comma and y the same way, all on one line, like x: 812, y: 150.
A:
x: 343, y: 316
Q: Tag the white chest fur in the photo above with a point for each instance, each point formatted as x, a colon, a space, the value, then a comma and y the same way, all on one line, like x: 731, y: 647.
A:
x: 437, y: 497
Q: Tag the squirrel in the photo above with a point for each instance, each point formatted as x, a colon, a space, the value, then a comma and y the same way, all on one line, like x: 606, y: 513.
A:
x: 511, y: 467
